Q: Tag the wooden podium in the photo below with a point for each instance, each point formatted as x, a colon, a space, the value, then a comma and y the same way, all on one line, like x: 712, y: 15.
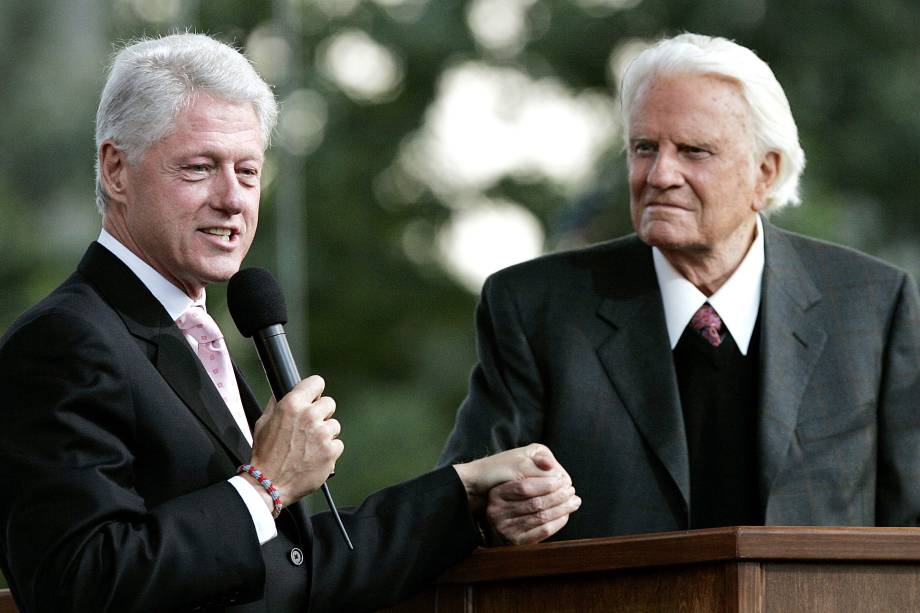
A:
x: 730, y: 570
x: 743, y: 570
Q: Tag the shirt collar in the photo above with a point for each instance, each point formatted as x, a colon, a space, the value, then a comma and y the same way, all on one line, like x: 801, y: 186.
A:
x: 173, y: 299
x: 737, y: 302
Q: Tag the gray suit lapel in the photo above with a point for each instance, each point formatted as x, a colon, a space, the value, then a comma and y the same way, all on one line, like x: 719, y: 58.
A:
x: 638, y: 361
x: 792, y: 338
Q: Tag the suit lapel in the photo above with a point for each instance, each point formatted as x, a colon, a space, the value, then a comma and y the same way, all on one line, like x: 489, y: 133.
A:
x: 638, y: 361
x: 183, y: 371
x: 168, y: 350
x: 792, y: 338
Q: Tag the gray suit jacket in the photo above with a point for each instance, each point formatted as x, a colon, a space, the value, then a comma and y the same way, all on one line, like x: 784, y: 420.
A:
x: 574, y: 353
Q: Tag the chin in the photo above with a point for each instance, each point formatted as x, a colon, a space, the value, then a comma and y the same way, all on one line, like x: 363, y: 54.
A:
x: 225, y: 275
x: 219, y: 274
x: 663, y: 240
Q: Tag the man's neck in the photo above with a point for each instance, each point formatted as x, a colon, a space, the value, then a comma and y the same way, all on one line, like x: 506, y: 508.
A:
x: 119, y: 233
x: 709, y: 269
x: 173, y: 299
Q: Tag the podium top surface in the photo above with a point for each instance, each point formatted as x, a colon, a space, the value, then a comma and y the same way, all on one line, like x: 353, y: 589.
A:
x: 737, y: 543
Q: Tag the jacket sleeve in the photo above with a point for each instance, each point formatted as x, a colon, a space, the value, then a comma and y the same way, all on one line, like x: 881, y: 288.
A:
x: 898, y: 494
x: 503, y: 408
x: 404, y: 536
x: 75, y: 534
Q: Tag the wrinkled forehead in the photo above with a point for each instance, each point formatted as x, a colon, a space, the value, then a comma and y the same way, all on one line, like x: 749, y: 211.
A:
x: 211, y: 127
x: 700, y: 103
x: 691, y: 91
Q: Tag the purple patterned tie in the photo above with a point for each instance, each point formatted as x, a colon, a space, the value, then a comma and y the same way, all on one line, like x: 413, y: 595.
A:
x: 708, y: 323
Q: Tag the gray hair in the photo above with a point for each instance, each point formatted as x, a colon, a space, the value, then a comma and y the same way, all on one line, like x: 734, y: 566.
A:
x: 152, y: 80
x: 772, y: 124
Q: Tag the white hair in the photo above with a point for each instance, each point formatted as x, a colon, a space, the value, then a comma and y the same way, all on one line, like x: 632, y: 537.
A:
x: 772, y: 125
x: 152, y: 80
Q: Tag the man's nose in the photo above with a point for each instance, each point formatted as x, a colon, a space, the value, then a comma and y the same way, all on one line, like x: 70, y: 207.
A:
x: 665, y: 172
x: 230, y: 193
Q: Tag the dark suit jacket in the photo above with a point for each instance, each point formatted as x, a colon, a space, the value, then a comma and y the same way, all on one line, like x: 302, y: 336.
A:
x: 574, y: 353
x: 115, y: 449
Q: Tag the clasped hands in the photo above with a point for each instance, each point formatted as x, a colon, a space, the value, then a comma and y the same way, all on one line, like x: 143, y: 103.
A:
x: 524, y: 493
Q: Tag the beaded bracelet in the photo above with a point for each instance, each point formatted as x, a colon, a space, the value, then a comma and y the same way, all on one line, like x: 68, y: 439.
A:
x: 265, y: 482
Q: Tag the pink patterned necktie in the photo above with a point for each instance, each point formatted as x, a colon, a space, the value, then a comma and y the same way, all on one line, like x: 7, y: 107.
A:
x: 708, y: 323
x: 196, y: 324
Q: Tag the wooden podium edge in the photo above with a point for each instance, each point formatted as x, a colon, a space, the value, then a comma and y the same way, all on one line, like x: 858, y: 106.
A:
x: 6, y: 601
x: 688, y: 547
x: 742, y: 544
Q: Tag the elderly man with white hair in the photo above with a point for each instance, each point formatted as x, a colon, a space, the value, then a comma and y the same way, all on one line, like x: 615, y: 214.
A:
x: 711, y: 369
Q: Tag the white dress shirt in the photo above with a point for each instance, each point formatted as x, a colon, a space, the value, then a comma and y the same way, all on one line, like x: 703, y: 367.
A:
x: 737, y: 302
x: 175, y: 301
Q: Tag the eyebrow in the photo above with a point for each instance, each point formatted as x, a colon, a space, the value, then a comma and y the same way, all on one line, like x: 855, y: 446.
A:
x: 217, y: 155
x: 699, y: 145
x: 683, y: 142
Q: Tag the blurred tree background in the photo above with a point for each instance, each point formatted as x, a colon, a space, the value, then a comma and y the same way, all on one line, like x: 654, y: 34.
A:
x: 426, y: 143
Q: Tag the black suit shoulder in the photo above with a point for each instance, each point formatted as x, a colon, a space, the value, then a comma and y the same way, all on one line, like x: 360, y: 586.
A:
x: 71, y: 335
x: 74, y: 299
x: 64, y: 340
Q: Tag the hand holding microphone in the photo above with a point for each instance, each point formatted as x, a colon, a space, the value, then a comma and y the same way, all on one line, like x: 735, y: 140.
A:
x: 295, y: 442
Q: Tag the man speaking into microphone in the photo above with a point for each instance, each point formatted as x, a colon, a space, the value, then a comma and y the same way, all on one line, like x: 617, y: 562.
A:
x: 139, y: 473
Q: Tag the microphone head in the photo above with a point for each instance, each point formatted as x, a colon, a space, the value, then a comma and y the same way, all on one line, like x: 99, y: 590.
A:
x: 255, y: 301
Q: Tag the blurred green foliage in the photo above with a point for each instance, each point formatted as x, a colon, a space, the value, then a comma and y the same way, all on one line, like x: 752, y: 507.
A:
x: 393, y: 336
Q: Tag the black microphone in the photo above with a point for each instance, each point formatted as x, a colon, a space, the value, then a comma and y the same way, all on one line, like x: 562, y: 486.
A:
x: 257, y: 307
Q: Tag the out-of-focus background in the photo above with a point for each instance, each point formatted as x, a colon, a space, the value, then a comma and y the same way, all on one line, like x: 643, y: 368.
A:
x: 426, y: 143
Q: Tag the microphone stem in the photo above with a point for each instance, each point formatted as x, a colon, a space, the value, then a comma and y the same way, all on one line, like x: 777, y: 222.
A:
x: 335, y: 513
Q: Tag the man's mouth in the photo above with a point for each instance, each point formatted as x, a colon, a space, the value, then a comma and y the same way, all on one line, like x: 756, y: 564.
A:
x: 222, y: 233
x: 662, y: 203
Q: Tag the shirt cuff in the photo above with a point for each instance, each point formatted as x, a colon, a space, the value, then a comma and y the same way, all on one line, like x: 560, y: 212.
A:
x: 261, y: 517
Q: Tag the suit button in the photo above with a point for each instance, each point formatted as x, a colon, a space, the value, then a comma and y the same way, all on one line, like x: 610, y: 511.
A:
x: 296, y: 556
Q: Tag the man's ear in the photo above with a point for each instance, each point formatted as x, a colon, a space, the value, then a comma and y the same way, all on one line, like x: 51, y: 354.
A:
x: 113, y: 171
x: 767, y: 173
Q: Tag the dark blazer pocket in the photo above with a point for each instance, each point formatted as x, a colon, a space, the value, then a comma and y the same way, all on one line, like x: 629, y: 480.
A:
x: 845, y: 422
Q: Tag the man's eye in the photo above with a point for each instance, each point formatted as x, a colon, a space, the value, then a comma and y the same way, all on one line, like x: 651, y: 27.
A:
x: 197, y: 168
x: 248, y: 176
x: 642, y: 147
x: 697, y: 152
